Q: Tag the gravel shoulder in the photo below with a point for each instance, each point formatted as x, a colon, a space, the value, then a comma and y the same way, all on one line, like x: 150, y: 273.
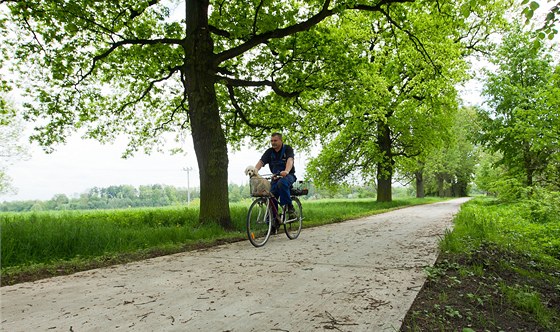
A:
x: 358, y: 275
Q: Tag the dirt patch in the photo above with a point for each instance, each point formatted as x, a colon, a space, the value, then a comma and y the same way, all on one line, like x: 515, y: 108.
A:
x: 466, y: 291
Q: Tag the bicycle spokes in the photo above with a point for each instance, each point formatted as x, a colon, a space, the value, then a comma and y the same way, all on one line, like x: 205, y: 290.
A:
x: 259, y: 222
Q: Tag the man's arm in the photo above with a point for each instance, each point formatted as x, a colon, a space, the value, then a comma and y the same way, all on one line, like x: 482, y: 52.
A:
x: 289, y: 165
x: 259, y: 165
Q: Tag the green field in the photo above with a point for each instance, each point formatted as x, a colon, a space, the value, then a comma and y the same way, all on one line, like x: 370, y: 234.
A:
x: 40, y: 244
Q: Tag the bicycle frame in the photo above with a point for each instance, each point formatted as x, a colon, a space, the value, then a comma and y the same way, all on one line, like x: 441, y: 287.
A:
x: 272, y: 203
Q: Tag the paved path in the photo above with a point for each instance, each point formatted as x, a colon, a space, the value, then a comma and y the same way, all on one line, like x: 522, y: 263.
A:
x: 360, y: 275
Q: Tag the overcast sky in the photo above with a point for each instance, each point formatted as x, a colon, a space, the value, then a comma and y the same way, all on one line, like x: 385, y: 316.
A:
x: 83, y: 164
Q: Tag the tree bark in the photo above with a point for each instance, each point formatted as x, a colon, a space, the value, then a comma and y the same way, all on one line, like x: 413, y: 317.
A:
x: 440, y: 183
x: 385, y: 167
x: 419, y: 175
x: 208, y: 137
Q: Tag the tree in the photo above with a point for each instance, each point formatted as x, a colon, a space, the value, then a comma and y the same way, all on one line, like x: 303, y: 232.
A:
x: 10, y: 130
x: 402, y: 92
x: 489, y: 172
x: 522, y: 119
x: 447, y: 169
x: 124, y: 67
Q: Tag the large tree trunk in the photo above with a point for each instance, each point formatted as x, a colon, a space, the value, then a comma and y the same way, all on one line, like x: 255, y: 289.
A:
x: 385, y: 167
x: 419, y: 175
x: 208, y: 137
x: 384, y: 193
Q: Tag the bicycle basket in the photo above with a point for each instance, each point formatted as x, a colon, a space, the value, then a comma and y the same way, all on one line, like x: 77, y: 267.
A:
x: 260, y: 187
x: 300, y: 188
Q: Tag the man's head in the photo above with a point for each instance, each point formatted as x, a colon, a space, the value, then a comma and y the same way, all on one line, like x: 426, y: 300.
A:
x: 276, y: 141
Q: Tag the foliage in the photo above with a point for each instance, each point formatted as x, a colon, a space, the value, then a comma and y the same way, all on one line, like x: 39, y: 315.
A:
x: 112, y: 197
x: 448, y: 168
x: 11, y: 149
x: 402, y: 102
x: 126, y: 196
x: 229, y: 70
x: 543, y: 206
x: 488, y: 171
x: 548, y: 28
x: 522, y: 121
x: 531, y: 225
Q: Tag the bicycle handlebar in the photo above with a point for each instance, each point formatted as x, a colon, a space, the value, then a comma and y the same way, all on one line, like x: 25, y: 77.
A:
x: 272, y: 176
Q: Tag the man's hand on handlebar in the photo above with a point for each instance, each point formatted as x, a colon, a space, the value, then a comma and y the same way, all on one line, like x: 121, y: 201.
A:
x: 277, y: 176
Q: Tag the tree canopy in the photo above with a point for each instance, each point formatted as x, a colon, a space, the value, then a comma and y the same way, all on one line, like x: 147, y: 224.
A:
x: 548, y: 27
x: 521, y: 121
x: 403, y: 103
x: 231, y: 70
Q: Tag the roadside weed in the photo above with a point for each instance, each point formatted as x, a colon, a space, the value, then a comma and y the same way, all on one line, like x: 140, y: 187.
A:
x: 497, y: 271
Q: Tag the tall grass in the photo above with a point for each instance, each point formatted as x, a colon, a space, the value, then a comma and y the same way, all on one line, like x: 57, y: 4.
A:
x: 42, y: 237
x: 509, y: 225
x: 51, y: 237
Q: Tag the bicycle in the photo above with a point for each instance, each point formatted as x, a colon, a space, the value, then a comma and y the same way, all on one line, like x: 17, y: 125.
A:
x: 261, y: 215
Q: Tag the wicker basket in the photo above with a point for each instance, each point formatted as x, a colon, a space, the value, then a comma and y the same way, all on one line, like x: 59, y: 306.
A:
x: 259, y: 187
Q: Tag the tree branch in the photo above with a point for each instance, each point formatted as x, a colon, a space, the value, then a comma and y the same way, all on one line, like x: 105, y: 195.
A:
x: 149, y: 88
x: 255, y: 18
x: 175, y: 110
x: 271, y: 84
x: 218, y: 31
x: 135, y: 13
x: 417, y: 43
x: 35, y: 36
x: 118, y: 44
x: 293, y: 29
x: 278, y: 33
x: 239, y: 111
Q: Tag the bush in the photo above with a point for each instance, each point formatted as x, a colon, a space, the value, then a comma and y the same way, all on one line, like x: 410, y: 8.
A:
x: 543, y: 206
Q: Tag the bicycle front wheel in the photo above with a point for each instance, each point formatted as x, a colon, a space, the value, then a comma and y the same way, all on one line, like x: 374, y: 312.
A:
x: 292, y: 226
x: 259, y: 222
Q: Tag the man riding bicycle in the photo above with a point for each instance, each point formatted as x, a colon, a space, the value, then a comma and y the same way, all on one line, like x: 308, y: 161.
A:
x: 280, y: 160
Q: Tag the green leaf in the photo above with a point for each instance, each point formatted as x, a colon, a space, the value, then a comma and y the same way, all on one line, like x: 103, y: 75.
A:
x: 466, y: 11
x: 528, y: 13
x: 534, y: 5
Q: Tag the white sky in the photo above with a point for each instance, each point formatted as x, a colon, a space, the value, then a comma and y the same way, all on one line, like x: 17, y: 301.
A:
x: 83, y: 164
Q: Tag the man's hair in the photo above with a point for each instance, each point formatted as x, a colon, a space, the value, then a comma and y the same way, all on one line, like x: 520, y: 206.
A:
x: 277, y: 135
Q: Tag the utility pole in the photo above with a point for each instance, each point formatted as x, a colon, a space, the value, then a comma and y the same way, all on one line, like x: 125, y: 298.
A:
x: 188, y: 170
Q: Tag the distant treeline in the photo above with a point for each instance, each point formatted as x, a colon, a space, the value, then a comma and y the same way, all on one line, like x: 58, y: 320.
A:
x: 113, y: 197
x: 127, y: 196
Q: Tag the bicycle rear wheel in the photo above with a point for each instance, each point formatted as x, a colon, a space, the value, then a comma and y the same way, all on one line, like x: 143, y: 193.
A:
x: 292, y: 226
x: 259, y: 222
